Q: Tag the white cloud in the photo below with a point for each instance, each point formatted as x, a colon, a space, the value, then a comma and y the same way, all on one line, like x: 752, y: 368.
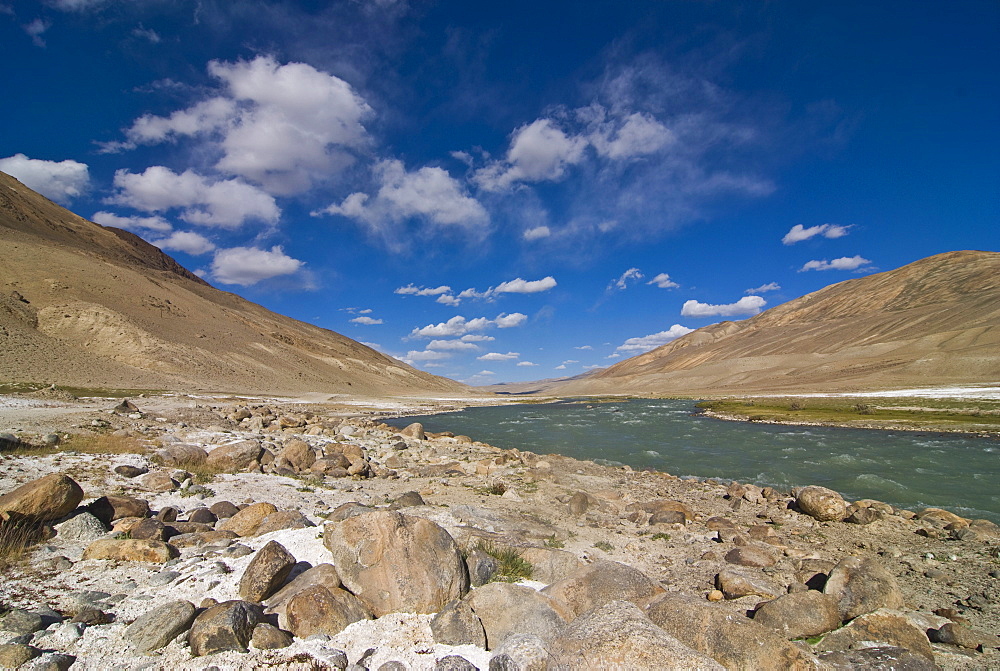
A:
x: 770, y: 286
x: 367, y: 321
x: 473, y: 337
x: 622, y: 282
x: 155, y: 223
x: 429, y: 194
x: 571, y: 361
x: 228, y: 203
x: 506, y: 321
x: 410, y: 290
x: 249, y: 265
x: 497, y: 356
x: 35, y: 30
x: 584, y: 347
x: 537, y: 233
x: 448, y: 299
x: 519, y: 286
x: 454, y: 327
x: 748, y: 305
x: 59, y: 180
x: 526, y: 363
x: 426, y: 355
x: 485, y: 373
x: 538, y: 152
x: 647, y: 343
x: 453, y: 345
x: 561, y: 366
x: 798, y: 232
x: 663, y: 281
x: 186, y: 241
x: 634, y: 135
x: 285, y: 127
x: 843, y: 263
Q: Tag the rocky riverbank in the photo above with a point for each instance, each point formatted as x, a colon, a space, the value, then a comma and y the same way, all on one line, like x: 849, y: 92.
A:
x: 243, y: 534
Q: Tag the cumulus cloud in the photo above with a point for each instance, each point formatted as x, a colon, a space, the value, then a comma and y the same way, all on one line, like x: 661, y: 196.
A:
x: 284, y: 127
x: 453, y: 345
x: 428, y: 194
x: 798, y: 232
x: 561, y: 366
x: 367, y: 321
x: 414, y: 356
x: 584, y: 347
x: 843, y: 263
x: 477, y: 337
x: 448, y: 299
x: 623, y: 137
x: 460, y: 326
x: 537, y: 233
x: 154, y: 223
x: 748, y: 305
x: 622, y: 282
x: 228, y: 203
x: 186, y: 241
x: 526, y: 363
x: 249, y: 265
x: 663, y: 281
x: 539, y: 151
x: 61, y: 181
x: 410, y: 290
x: 650, y: 342
x: 519, y: 286
x: 498, y: 356
x: 770, y: 286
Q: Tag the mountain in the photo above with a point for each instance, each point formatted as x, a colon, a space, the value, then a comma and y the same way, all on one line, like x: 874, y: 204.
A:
x: 933, y: 322
x: 85, y: 305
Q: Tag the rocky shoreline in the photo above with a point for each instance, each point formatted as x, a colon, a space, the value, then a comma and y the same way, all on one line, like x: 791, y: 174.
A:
x: 241, y: 534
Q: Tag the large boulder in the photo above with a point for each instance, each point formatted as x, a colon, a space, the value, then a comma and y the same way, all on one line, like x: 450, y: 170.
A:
x: 223, y: 627
x: 47, y: 498
x: 600, y: 583
x: 414, y: 430
x: 281, y: 520
x: 456, y: 624
x: 181, y: 455
x: 110, y: 508
x: 862, y: 586
x: 879, y: 657
x: 131, y: 549
x: 397, y: 563
x: 821, y: 503
x: 318, y: 610
x: 737, y: 584
x: 247, y: 521
x: 800, y: 614
x: 505, y: 609
x: 730, y: 639
x: 266, y: 572
x: 617, y: 635
x: 322, y: 575
x: 297, y: 455
x: 883, y: 626
x: 235, y: 456
x: 549, y: 565
x: 156, y: 628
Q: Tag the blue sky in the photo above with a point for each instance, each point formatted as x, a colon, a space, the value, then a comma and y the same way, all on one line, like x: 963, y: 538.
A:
x: 519, y: 190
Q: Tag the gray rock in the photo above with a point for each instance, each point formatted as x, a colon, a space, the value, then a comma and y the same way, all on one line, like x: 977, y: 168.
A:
x: 408, y: 499
x: 394, y: 666
x: 268, y: 637
x: 51, y: 661
x: 224, y: 509
x: 226, y: 626
x: 600, y: 583
x: 235, y: 456
x: 20, y: 621
x: 617, y: 635
x: 880, y: 657
x: 550, y: 565
x: 954, y: 633
x: 454, y: 663
x: 203, y: 516
x: 266, y: 572
x: 881, y: 626
x: 506, y: 609
x: 821, y: 503
x: 181, y: 455
x: 520, y: 652
x: 130, y: 471
x: 799, y: 615
x: 456, y: 624
x: 862, y: 586
x: 149, y: 529
x: 156, y: 628
x: 481, y: 566
x: 81, y: 527
x: 737, y: 584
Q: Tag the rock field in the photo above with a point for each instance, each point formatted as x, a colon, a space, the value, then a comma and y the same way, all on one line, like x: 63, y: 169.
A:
x: 237, y: 533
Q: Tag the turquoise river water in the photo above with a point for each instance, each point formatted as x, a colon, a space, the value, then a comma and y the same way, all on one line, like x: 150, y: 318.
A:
x: 907, y: 469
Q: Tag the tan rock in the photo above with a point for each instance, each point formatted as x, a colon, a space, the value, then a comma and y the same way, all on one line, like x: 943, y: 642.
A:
x: 47, y: 498
x: 298, y: 455
x: 799, y: 615
x: 322, y: 575
x: 414, y: 430
x: 600, y: 583
x: 282, y: 519
x: 110, y: 508
x: 821, y: 503
x: 752, y: 555
x: 224, y: 627
x: 246, y: 521
x: 266, y: 572
x: 881, y: 626
x: 318, y: 610
x: 131, y: 550
x: 157, y: 481
x: 397, y: 563
x: 505, y: 609
x: 862, y: 586
x: 198, y: 539
x: 550, y: 564
x: 738, y: 584
x: 235, y: 456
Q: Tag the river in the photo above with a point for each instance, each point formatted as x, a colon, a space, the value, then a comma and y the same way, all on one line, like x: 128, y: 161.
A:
x: 906, y: 469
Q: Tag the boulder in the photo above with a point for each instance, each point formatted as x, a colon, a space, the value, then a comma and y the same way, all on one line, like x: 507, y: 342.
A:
x: 407, y: 499
x: 481, y: 566
x: 110, y: 508
x: 298, y: 455
x: 941, y: 518
x: 730, y: 639
x: 505, y: 609
x: 752, y: 555
x: 13, y: 655
x: 266, y: 572
x: 268, y: 637
x: 862, y: 586
x: 47, y: 498
x: 663, y: 506
x: 21, y: 622
x: 225, y: 626
x: 202, y: 538
x: 738, y: 584
x: 600, y: 583
x: 799, y: 615
x: 414, y: 430
x: 181, y: 455
x: 520, y: 652
x: 318, y: 610
x: 202, y: 516
x: 446, y: 663
x: 954, y: 633
x: 156, y: 628
x: 246, y: 521
x: 883, y: 626
x: 157, y: 481
x: 130, y: 471
x: 131, y: 550
x: 283, y: 519
x: 149, y: 529
x: 456, y: 624
x: 397, y: 563
x: 550, y: 564
x: 323, y: 575
x: 235, y: 456
x: 617, y: 635
x: 821, y: 503
x: 879, y: 657
x: 224, y: 509
x: 81, y: 527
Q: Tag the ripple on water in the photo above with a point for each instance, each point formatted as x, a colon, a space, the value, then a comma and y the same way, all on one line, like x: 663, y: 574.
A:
x: 652, y: 453
x: 872, y: 480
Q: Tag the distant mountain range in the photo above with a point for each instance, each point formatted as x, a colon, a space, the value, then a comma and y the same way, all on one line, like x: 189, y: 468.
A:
x: 85, y: 305
x: 931, y: 323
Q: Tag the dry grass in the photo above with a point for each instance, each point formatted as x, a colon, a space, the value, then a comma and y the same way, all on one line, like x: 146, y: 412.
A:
x: 201, y: 471
x: 16, y: 536
x: 98, y: 443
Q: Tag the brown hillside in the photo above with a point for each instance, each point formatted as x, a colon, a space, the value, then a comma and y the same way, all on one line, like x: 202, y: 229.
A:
x: 932, y: 322
x: 85, y: 305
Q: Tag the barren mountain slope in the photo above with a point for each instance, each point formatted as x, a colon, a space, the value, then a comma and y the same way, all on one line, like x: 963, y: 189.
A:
x: 85, y: 305
x: 933, y: 322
